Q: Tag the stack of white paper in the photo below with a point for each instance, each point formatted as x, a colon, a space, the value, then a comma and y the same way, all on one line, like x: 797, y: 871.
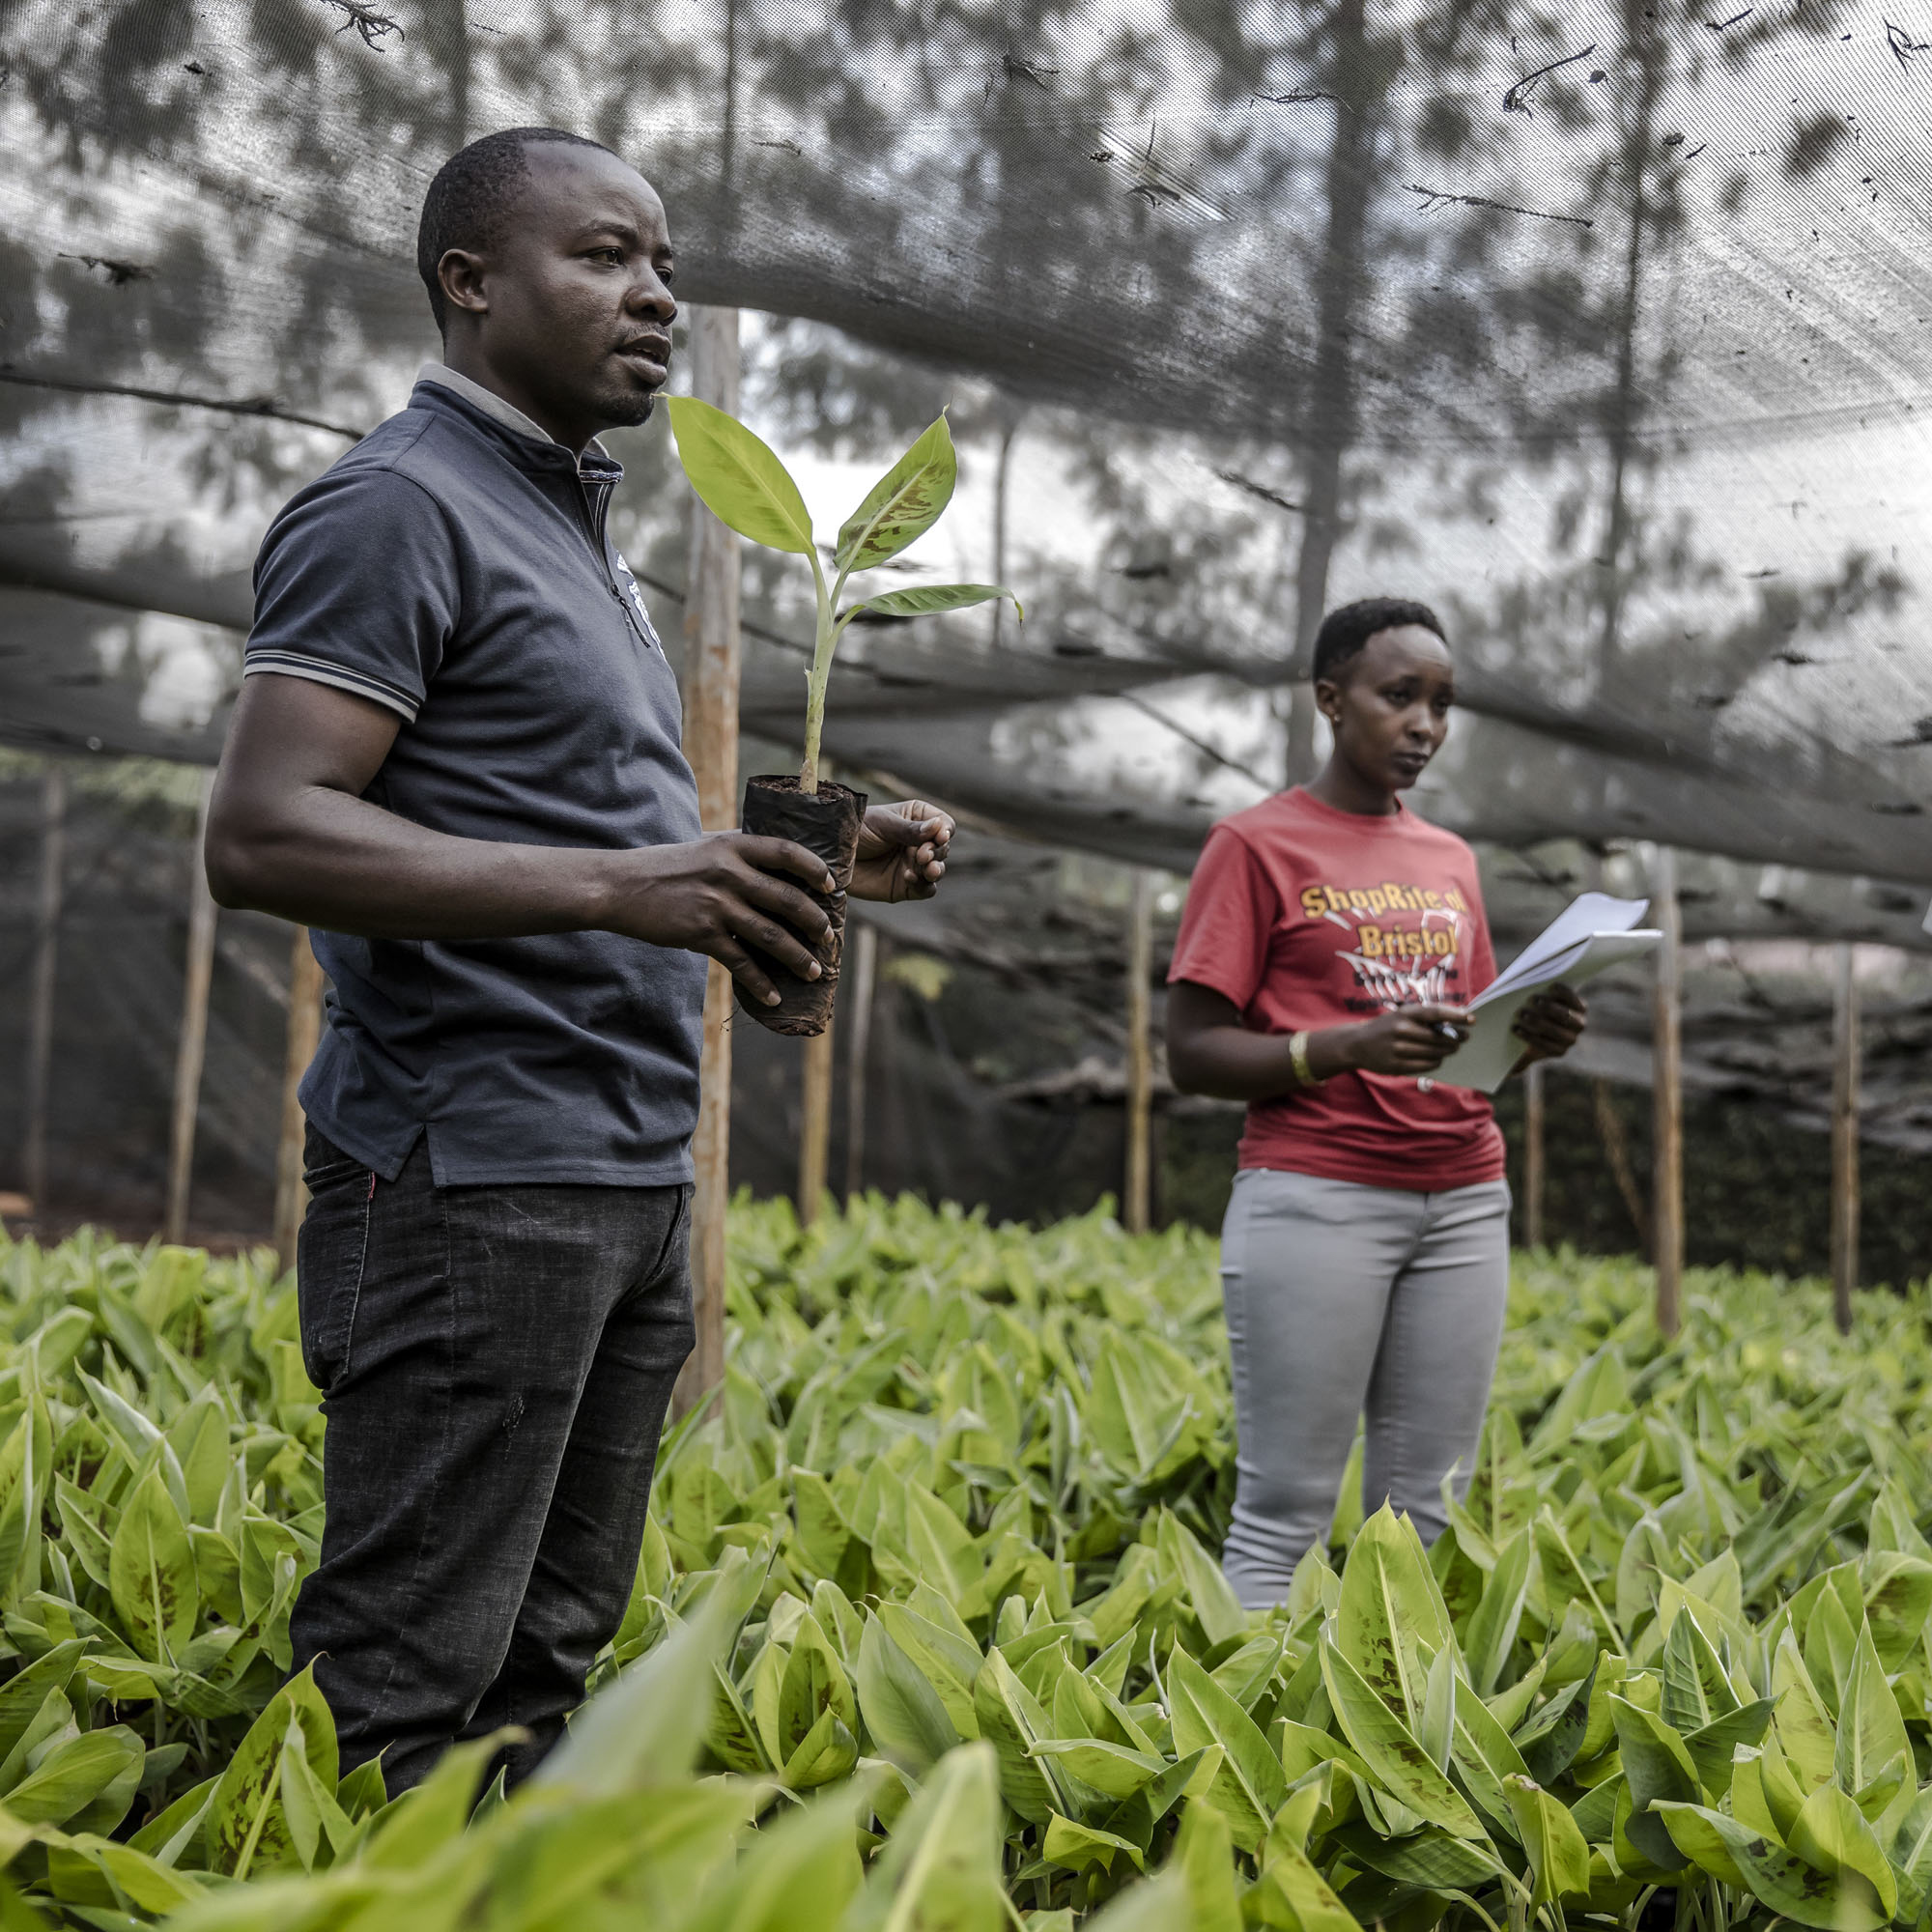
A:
x: 1594, y: 933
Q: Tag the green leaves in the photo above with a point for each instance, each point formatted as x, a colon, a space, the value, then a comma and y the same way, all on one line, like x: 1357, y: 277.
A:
x: 902, y: 1710
x: 930, y: 600
x: 738, y: 478
x: 1559, y: 1856
x: 77, y: 1774
x: 745, y: 486
x: 1659, y: 1771
x: 646, y: 1730
x: 965, y: 1486
x: 940, y: 1867
x: 1871, y: 1746
x: 902, y: 505
x: 1390, y: 1610
x: 151, y: 1573
x: 1248, y: 1787
x: 250, y: 1826
x: 1841, y: 1901
x: 1391, y: 1750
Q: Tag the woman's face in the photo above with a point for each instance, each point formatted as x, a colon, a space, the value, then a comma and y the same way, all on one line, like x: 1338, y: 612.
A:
x: 1390, y: 706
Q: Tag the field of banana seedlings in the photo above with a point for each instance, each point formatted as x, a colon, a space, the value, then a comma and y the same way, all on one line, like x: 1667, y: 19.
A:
x: 928, y: 1632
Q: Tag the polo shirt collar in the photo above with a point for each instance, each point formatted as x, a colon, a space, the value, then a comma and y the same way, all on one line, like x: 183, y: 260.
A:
x: 497, y: 409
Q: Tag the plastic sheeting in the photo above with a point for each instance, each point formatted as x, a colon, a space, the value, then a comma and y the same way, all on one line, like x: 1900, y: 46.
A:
x: 1603, y: 328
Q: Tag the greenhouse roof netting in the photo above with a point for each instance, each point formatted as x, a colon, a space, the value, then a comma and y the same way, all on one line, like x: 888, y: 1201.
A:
x: 1603, y: 328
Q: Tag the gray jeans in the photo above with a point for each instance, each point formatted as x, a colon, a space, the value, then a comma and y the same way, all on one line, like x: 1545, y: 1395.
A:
x: 1343, y: 1298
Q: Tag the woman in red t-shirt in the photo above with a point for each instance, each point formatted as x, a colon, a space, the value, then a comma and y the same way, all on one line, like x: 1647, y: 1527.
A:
x: 1330, y: 947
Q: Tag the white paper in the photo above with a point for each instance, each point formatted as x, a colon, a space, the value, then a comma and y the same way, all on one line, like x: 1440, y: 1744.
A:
x: 1590, y: 936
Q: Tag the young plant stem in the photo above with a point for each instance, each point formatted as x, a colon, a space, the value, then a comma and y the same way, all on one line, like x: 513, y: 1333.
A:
x: 824, y: 644
x: 831, y: 627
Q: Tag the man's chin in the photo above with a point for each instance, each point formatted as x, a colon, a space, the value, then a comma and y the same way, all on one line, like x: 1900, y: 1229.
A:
x: 631, y: 409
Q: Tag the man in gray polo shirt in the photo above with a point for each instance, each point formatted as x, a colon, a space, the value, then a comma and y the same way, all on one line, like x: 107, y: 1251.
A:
x: 456, y: 756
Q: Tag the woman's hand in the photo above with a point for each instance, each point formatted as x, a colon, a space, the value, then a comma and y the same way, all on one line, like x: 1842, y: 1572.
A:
x: 1408, y: 1041
x: 1209, y: 1050
x: 1551, y: 1024
x: 902, y: 852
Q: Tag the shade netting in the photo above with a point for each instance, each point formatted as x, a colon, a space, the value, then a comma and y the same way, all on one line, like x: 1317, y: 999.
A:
x: 1603, y: 328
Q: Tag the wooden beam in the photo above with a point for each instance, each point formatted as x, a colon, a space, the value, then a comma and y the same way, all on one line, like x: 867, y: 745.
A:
x: 712, y: 656
x: 1845, y: 1058
x: 41, y: 1009
x: 1139, y: 1188
x: 1666, y: 1213
x: 303, y: 1032
x: 815, y: 1125
x: 1532, y: 1154
x: 196, y: 978
x: 854, y: 1017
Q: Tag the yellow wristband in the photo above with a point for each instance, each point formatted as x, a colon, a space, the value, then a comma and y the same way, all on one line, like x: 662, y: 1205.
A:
x: 1297, y: 1058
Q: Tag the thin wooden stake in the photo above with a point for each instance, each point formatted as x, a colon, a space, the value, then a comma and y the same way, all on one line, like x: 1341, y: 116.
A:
x: 1532, y: 1154
x: 815, y: 1125
x: 196, y: 979
x: 1845, y: 1057
x: 712, y: 656
x: 1616, y: 1151
x: 47, y: 957
x: 1666, y: 1218
x: 1140, y: 1057
x: 854, y: 1017
x: 304, y: 1030
x: 710, y: 1196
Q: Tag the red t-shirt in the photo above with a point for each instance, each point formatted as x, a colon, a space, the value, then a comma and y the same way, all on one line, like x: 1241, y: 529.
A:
x: 1304, y: 916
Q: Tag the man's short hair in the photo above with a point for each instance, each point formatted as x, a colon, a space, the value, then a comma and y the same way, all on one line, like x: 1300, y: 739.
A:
x: 1346, y: 629
x: 471, y: 193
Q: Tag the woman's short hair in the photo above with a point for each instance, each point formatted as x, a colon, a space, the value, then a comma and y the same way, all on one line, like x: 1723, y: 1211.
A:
x: 1346, y: 629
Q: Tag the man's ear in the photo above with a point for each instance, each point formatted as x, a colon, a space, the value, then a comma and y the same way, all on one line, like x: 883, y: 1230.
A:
x: 1328, y: 698
x: 461, y: 271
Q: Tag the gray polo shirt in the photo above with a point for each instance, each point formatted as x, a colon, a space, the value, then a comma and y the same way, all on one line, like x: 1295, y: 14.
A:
x: 454, y: 567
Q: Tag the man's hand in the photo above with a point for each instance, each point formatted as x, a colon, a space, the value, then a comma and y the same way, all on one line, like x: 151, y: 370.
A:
x: 725, y: 894
x: 1551, y: 1024
x: 902, y: 852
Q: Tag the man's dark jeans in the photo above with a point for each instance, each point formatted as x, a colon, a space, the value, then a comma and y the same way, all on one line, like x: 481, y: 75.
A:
x: 497, y: 1363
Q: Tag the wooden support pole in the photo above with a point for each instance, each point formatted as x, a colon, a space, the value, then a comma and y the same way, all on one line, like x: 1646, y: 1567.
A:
x: 1532, y: 1154
x: 304, y: 1030
x: 1616, y: 1151
x: 712, y: 652
x: 40, y: 1011
x: 1140, y: 1057
x: 815, y: 1125
x: 1666, y: 1215
x: 196, y: 979
x: 1845, y: 1057
x: 855, y: 1018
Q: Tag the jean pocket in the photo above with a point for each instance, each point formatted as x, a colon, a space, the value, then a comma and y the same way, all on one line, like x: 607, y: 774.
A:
x: 332, y: 1251
x: 325, y: 1165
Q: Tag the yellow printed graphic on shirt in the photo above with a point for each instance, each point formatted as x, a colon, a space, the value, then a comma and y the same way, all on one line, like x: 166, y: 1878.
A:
x: 1406, y: 940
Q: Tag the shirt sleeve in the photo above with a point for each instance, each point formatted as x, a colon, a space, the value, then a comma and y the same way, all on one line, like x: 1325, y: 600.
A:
x: 1231, y: 912
x: 357, y: 586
